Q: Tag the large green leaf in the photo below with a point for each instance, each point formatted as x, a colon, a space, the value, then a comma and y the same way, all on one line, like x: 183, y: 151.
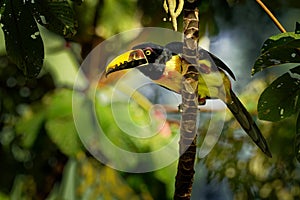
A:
x: 278, y: 49
x: 22, y: 37
x: 57, y: 16
x: 281, y: 98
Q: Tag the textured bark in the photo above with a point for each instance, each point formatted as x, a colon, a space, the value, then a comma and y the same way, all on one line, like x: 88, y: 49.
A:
x: 188, y: 126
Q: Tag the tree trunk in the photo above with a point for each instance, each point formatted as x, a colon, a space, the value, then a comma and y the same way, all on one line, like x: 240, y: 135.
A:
x: 189, y: 92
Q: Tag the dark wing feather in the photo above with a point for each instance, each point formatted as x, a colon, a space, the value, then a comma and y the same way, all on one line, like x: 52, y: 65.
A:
x: 219, y: 63
x: 247, y: 123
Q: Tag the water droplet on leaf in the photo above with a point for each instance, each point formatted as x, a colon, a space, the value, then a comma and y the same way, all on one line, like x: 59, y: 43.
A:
x: 281, y: 111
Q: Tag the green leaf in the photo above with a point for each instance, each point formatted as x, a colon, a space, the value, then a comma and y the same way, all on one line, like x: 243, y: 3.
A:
x: 116, y: 10
x: 23, y: 187
x: 58, y: 104
x: 70, y: 178
x: 281, y: 98
x: 63, y: 133
x: 28, y: 127
x: 278, y: 49
x: 281, y: 39
x: 57, y: 16
x: 59, y: 122
x: 22, y: 37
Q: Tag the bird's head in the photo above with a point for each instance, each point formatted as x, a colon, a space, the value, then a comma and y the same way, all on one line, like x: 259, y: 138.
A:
x: 148, y: 58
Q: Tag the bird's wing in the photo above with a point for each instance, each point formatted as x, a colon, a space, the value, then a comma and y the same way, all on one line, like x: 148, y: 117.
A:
x: 216, y: 63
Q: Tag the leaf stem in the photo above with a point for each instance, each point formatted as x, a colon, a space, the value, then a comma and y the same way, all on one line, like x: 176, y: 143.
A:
x: 274, y: 19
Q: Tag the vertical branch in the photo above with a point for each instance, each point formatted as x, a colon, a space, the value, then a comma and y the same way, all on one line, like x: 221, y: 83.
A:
x: 189, y: 92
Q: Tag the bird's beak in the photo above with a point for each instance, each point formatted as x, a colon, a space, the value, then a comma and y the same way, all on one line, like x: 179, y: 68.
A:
x: 127, y: 60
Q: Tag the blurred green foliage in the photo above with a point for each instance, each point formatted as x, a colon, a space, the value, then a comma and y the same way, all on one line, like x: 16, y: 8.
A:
x: 41, y: 154
x: 253, y: 175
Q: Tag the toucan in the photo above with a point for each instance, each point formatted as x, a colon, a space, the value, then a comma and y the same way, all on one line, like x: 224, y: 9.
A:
x: 166, y: 66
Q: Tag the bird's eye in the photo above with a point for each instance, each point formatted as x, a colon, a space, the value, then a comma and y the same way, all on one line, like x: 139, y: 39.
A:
x: 147, y: 52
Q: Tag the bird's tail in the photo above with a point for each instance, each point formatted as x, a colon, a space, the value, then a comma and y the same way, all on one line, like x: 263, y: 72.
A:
x: 247, y: 123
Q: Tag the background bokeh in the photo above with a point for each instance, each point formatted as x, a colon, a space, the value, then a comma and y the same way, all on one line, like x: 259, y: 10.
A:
x: 42, y: 156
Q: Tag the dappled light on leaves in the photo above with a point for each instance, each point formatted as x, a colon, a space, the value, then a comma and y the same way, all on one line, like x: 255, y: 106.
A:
x: 23, y: 42
x: 277, y: 50
x: 57, y: 16
x: 96, y: 181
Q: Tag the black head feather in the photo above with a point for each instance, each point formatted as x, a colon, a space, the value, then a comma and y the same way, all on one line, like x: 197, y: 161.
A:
x: 157, y: 57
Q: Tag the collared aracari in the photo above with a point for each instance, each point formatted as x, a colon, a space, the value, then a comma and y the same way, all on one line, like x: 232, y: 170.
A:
x: 165, y: 67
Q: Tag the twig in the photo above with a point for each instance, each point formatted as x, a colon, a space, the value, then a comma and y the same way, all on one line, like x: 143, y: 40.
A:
x: 174, y: 9
x: 274, y: 19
